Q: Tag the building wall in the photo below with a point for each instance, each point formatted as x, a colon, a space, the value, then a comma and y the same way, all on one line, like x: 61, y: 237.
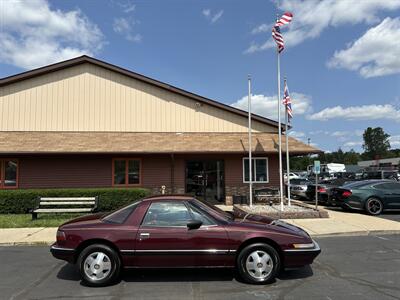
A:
x: 90, y: 98
x: 86, y: 171
x: 89, y: 171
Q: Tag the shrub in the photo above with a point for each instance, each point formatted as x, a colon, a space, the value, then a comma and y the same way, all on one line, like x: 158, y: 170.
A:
x: 22, y: 201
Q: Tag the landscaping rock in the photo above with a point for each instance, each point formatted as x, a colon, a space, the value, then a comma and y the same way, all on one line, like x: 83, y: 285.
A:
x: 295, y: 211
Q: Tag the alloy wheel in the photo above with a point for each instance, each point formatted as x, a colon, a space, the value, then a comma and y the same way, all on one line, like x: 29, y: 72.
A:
x: 374, y: 206
x: 259, y: 264
x: 97, y: 266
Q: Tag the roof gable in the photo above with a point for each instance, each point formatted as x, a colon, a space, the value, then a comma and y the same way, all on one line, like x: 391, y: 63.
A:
x: 86, y: 59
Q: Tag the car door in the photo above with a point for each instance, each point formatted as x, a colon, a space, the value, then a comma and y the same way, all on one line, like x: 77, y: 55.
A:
x: 164, y: 240
x: 210, y: 242
x: 392, y: 194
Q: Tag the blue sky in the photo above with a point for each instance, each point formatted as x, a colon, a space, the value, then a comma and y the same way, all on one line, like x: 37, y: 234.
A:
x: 342, y: 58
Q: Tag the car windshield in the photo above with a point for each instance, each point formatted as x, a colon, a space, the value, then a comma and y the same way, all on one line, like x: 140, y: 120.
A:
x: 212, y: 209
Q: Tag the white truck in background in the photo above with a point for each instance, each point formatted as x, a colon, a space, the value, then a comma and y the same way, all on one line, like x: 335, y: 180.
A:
x: 331, y: 169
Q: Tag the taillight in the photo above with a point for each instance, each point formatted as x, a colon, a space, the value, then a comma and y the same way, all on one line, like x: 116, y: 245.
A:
x: 61, y: 236
x: 322, y: 190
x: 346, y: 194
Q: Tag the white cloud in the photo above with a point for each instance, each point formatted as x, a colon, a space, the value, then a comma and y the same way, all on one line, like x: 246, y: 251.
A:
x: 127, y: 6
x: 363, y: 112
x: 206, y: 12
x: 376, y: 53
x: 212, y: 17
x: 125, y: 27
x: 345, y: 133
x: 262, y: 28
x: 267, y: 105
x: 394, y: 141
x: 297, y: 134
x: 312, y: 17
x: 33, y: 34
x: 352, y: 144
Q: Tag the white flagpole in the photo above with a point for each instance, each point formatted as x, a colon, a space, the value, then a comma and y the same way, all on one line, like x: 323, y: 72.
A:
x: 250, y: 147
x: 287, y: 150
x: 280, y: 131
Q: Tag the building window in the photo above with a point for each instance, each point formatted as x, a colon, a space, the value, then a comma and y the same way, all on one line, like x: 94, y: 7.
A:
x: 259, y: 169
x: 8, y: 173
x: 126, y: 171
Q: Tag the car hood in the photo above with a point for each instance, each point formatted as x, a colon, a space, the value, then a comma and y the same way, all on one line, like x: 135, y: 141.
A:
x: 252, y: 220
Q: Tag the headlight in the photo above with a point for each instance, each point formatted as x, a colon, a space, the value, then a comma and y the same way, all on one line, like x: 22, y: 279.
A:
x: 303, y: 246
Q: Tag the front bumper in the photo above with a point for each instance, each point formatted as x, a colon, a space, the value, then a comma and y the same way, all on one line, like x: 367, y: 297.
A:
x: 62, y: 253
x: 294, y: 258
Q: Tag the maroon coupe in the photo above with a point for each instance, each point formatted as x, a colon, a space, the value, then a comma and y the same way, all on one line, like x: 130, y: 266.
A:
x: 177, y: 232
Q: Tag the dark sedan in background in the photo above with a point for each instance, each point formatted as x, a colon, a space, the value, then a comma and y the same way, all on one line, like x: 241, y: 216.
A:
x: 325, y: 189
x: 181, y: 232
x: 372, y: 196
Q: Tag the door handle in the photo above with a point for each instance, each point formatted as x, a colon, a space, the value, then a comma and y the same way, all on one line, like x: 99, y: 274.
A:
x: 144, y: 235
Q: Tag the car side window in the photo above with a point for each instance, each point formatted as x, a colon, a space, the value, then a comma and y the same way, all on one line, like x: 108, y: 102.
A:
x: 392, y: 186
x: 167, y: 214
x: 388, y: 186
x: 198, y: 215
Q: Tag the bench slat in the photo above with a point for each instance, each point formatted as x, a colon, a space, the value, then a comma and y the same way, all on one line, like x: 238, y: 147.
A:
x: 67, y: 203
x: 68, y: 199
x: 49, y: 210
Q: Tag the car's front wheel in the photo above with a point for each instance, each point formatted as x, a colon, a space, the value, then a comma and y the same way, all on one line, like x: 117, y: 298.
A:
x: 258, y: 263
x: 99, y: 265
x: 374, y: 206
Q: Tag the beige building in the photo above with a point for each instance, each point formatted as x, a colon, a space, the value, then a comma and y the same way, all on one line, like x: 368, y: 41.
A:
x: 87, y: 123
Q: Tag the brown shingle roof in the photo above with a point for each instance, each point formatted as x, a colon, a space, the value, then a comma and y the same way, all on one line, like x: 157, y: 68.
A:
x: 147, y: 142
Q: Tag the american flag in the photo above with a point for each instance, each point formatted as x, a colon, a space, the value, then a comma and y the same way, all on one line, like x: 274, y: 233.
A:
x: 287, y: 102
x: 276, y: 30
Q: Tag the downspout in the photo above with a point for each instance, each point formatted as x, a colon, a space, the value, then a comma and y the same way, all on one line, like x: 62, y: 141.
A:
x: 172, y: 173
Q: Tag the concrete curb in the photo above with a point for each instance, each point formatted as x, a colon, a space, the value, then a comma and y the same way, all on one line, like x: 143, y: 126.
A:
x: 356, y: 233
x: 42, y: 243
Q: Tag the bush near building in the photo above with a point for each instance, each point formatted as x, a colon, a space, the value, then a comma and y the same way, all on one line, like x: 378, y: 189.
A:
x: 22, y: 201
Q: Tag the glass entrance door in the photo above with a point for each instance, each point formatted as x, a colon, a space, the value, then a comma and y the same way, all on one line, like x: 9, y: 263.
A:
x: 205, y: 179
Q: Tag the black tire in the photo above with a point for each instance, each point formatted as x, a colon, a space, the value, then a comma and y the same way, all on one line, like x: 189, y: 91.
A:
x: 110, y: 256
x: 244, y: 255
x: 346, y: 208
x: 373, y: 206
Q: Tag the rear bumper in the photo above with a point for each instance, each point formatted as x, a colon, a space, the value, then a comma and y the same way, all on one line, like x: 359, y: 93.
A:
x: 294, y: 258
x: 62, y: 253
x: 298, y: 193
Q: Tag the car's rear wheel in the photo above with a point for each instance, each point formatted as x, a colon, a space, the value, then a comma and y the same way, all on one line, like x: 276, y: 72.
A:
x: 258, y: 263
x: 99, y: 265
x: 374, y: 206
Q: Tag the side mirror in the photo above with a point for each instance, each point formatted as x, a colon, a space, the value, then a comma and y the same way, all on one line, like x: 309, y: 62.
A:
x: 194, y: 224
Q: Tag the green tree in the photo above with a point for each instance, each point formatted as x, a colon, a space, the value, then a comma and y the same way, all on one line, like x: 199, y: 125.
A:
x: 376, y: 143
x: 351, y: 157
x: 300, y: 163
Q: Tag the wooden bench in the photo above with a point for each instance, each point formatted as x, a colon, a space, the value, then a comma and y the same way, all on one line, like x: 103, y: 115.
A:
x: 65, y: 205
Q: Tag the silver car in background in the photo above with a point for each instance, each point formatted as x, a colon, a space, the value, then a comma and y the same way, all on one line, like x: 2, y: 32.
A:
x: 298, y: 187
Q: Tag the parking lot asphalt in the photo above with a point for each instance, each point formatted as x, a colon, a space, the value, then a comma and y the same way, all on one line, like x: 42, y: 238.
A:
x: 364, y: 267
x: 394, y: 216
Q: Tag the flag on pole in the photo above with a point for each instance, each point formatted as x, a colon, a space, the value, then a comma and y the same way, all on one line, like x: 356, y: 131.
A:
x: 287, y: 102
x: 276, y: 30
